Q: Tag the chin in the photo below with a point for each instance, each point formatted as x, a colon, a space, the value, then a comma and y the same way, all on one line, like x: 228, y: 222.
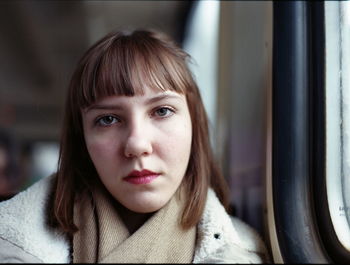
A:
x: 146, y: 207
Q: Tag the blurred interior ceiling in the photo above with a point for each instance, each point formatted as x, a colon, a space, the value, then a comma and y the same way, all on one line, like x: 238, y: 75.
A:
x: 41, y: 42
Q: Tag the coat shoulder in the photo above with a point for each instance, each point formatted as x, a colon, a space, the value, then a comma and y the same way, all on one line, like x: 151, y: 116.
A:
x: 10, y: 253
x: 23, y: 224
x: 250, y: 239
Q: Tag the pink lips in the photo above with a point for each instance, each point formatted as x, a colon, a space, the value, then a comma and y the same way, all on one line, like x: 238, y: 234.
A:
x: 141, y: 177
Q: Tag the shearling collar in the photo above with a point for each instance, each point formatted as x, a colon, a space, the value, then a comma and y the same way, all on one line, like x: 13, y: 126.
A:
x: 22, y: 220
x: 225, y: 239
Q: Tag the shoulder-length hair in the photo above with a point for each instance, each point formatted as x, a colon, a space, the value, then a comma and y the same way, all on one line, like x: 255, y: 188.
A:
x: 122, y: 63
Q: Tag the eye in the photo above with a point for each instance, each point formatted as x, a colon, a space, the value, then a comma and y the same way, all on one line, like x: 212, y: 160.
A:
x: 164, y: 112
x: 107, y: 120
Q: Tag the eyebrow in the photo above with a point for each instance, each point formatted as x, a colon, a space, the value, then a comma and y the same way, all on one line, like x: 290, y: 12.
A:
x: 148, y: 102
x: 102, y: 107
x: 162, y: 97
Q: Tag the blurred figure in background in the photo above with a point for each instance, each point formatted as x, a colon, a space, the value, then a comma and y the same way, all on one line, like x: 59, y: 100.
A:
x: 9, y: 183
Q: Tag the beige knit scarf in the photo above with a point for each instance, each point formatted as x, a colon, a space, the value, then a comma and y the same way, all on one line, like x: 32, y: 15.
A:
x: 104, y: 238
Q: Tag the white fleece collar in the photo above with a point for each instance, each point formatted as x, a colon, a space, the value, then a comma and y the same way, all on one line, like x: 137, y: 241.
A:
x: 215, y: 229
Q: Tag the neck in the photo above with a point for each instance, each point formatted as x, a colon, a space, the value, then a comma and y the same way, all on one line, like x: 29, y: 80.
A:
x: 132, y: 220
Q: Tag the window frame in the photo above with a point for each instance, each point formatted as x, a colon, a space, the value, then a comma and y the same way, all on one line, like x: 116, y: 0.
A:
x: 303, y: 226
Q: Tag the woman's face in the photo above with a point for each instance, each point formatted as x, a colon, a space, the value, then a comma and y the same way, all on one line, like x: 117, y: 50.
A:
x: 140, y: 146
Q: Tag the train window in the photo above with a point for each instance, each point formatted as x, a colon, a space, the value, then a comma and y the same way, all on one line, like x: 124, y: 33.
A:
x: 337, y: 18
x: 310, y: 132
x: 44, y: 159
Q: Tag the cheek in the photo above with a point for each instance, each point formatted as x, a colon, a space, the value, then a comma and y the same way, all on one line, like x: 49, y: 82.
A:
x: 100, y: 148
x: 177, y: 143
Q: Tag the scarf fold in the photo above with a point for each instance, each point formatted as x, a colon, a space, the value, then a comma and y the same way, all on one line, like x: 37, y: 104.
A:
x: 104, y: 238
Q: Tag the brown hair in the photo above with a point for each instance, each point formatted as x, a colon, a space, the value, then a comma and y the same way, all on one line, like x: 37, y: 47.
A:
x: 122, y: 63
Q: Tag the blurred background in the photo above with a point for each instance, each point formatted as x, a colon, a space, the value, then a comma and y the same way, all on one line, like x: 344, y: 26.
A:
x: 230, y: 42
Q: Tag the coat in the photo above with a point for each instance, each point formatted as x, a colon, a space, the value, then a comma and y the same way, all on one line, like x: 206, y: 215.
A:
x: 25, y: 237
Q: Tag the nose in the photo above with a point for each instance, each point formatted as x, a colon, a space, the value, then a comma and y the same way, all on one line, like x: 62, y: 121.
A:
x: 137, y: 143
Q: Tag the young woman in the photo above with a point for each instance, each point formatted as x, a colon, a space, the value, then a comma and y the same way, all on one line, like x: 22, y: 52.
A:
x: 136, y: 180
